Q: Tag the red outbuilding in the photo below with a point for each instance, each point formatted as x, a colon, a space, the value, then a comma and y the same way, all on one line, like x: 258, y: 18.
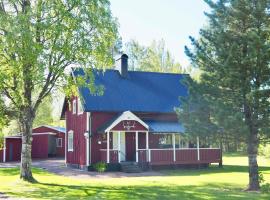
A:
x: 48, y: 141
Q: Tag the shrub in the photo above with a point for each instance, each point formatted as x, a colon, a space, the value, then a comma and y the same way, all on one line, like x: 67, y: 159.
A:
x: 265, y: 188
x: 100, y: 167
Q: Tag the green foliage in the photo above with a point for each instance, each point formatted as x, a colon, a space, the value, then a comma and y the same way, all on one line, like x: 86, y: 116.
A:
x: 151, y: 58
x: 100, y: 166
x: 1, y: 140
x: 264, y: 150
x: 265, y: 188
x: 44, y: 113
x: 39, y: 41
x: 261, y: 177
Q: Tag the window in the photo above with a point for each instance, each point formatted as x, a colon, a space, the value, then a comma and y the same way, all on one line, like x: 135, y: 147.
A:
x: 70, y: 140
x: 165, y: 141
x: 80, y: 108
x: 58, y: 142
x: 74, y: 107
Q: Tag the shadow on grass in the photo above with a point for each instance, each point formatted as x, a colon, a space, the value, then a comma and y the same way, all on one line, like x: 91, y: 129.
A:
x: 207, y: 191
x: 211, y: 170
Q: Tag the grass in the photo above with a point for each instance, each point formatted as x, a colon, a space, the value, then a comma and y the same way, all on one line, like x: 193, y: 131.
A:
x: 213, y: 183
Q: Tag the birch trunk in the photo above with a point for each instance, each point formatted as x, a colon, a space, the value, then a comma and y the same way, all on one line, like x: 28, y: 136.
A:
x: 26, y: 159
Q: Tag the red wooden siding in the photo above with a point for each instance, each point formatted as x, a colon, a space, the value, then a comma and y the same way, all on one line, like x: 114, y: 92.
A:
x: 60, y: 151
x: 161, y: 157
x: 186, y: 156
x: 98, y: 119
x: 77, y: 123
x: 213, y: 155
x: 1, y: 155
x: 113, y: 156
x: 142, y: 156
x: 40, y: 146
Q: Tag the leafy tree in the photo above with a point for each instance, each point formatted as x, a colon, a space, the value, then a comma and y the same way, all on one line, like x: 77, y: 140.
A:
x: 233, y: 54
x: 39, y: 42
x: 152, y: 58
x: 44, y: 113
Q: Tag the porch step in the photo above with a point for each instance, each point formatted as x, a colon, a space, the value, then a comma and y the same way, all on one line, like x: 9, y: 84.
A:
x: 130, y: 167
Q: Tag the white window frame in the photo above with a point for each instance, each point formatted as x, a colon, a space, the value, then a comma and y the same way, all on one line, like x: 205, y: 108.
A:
x: 59, y: 141
x: 70, y: 147
x: 74, y: 107
x: 80, y: 108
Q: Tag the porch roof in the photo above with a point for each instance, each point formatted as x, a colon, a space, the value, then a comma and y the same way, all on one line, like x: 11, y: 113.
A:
x: 158, y: 127
x: 165, y: 127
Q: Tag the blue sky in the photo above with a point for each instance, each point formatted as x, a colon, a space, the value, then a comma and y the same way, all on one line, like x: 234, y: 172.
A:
x: 172, y: 20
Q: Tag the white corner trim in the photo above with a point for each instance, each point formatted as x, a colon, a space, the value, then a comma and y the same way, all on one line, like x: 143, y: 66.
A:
x: 127, y: 115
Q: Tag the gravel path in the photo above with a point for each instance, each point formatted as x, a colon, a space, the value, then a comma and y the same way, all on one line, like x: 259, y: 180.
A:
x: 58, y: 166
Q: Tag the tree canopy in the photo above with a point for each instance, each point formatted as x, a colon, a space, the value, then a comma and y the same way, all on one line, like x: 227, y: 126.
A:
x: 151, y: 58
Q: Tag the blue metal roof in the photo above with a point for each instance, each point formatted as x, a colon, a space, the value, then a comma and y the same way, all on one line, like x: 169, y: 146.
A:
x: 165, y: 127
x: 140, y: 92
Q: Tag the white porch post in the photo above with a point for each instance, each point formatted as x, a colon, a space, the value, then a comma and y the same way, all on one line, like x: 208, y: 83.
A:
x: 179, y: 147
x: 173, y: 137
x: 147, y: 146
x: 198, y: 148
x: 119, y: 146
x: 86, y: 135
x: 4, y: 151
x: 137, y: 155
x: 108, y: 147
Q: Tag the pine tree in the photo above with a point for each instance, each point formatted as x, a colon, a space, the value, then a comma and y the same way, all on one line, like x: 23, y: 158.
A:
x: 233, y: 53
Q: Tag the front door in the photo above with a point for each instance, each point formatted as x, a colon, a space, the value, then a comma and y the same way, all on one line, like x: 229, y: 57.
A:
x: 130, y: 147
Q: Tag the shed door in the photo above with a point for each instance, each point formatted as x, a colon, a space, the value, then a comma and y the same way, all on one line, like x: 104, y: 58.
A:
x: 10, y: 152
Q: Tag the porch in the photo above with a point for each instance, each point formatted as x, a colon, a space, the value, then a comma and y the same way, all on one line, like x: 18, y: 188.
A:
x: 168, y: 156
x: 128, y: 138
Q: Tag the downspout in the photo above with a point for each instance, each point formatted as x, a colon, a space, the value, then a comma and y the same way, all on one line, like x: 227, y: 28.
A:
x: 90, y: 136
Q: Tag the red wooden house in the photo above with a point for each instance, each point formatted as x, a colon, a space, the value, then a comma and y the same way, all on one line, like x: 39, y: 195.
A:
x: 47, y: 141
x: 134, y: 120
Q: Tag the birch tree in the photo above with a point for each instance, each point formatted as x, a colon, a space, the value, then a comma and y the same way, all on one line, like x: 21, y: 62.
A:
x: 39, y: 41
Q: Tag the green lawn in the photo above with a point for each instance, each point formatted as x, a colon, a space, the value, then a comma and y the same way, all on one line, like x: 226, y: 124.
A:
x: 212, y: 183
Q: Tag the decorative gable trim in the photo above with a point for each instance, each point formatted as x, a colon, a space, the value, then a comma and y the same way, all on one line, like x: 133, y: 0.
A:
x: 127, y: 115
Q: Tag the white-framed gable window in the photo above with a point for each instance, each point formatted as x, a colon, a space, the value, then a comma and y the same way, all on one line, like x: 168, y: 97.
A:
x: 74, y: 106
x: 70, y: 140
x: 59, y: 142
x: 80, y: 108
